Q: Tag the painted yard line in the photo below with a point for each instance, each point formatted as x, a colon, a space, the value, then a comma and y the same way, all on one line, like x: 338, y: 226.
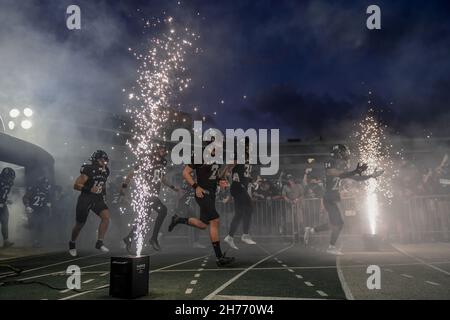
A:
x: 59, y: 272
x: 433, y: 283
x: 196, y: 275
x: 226, y: 284
x: 344, y: 285
x: 54, y: 264
x: 194, y: 282
x: 85, y: 292
x: 290, y: 270
x: 188, y: 291
x: 421, y: 261
x: 299, y: 276
x: 106, y: 286
x: 104, y: 274
x: 309, y: 284
x: 320, y: 292
x: 88, y: 281
x: 407, y: 275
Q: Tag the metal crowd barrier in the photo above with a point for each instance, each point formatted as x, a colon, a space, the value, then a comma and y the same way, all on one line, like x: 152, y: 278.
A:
x: 417, y: 219
x: 421, y: 219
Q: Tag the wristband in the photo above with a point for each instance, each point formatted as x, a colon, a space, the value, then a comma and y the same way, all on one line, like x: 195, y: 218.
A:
x: 195, y: 186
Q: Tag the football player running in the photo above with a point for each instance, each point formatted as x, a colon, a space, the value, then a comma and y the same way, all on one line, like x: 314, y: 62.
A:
x: 336, y: 169
x: 155, y: 176
x: 208, y: 176
x: 37, y: 201
x: 7, y: 177
x: 92, y: 184
x: 241, y: 178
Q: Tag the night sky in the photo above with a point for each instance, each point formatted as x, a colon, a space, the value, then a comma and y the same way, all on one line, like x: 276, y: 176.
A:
x: 306, y: 67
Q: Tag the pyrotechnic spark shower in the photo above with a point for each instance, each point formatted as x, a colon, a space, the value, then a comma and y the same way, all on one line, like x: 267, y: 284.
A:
x: 375, y: 151
x: 161, y: 78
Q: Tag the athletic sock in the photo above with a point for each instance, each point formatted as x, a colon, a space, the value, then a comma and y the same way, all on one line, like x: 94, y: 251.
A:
x: 183, y: 220
x: 217, y: 250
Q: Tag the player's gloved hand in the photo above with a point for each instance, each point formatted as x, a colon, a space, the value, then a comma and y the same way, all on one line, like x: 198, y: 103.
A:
x: 199, y: 192
x: 29, y: 210
x: 361, y: 167
x: 377, y: 173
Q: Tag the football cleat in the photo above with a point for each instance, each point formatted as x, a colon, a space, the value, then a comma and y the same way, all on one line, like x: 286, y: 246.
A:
x: 100, y: 246
x: 307, y: 235
x: 72, y: 249
x: 334, y: 251
x: 154, y: 243
x: 128, y: 243
x: 229, y: 239
x: 7, y: 244
x: 247, y: 239
x: 224, y: 261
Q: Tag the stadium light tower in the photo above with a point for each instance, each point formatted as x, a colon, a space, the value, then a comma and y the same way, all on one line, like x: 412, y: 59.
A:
x: 20, y: 118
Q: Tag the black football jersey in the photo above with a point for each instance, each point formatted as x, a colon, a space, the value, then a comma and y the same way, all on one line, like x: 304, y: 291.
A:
x: 155, y: 174
x: 5, y: 188
x: 332, y: 184
x: 38, y: 197
x: 188, y: 194
x: 207, y: 175
x: 241, y: 173
x: 97, y: 176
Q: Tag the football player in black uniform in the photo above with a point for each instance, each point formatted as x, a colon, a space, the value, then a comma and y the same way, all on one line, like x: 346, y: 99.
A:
x: 92, y: 184
x: 208, y: 176
x: 7, y: 177
x: 37, y: 201
x: 336, y: 169
x: 186, y: 207
x: 155, y: 176
x: 241, y: 178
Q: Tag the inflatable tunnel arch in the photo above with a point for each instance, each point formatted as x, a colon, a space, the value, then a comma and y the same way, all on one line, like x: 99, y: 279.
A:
x: 36, y: 161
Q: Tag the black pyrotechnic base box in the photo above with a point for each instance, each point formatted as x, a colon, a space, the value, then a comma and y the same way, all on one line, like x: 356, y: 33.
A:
x: 129, y: 277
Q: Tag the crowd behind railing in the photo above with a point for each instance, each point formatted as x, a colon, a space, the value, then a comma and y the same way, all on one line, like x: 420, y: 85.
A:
x: 418, y: 211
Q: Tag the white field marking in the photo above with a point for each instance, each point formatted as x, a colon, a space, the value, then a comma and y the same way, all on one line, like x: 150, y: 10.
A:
x: 226, y: 284
x: 226, y: 297
x: 344, y: 285
x: 59, y: 272
x: 200, y: 269
x: 104, y: 274
x: 290, y: 270
x: 285, y: 266
x: 433, y: 283
x: 309, y: 284
x: 407, y: 275
x: 65, y: 291
x: 87, y: 281
x: 188, y: 291
x: 194, y: 282
x: 299, y: 276
x: 106, y: 286
x: 203, y: 265
x: 85, y: 292
x: 196, y: 275
x: 388, y: 270
x: 54, y: 264
x: 323, y: 294
x: 421, y: 261
x: 175, y: 264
